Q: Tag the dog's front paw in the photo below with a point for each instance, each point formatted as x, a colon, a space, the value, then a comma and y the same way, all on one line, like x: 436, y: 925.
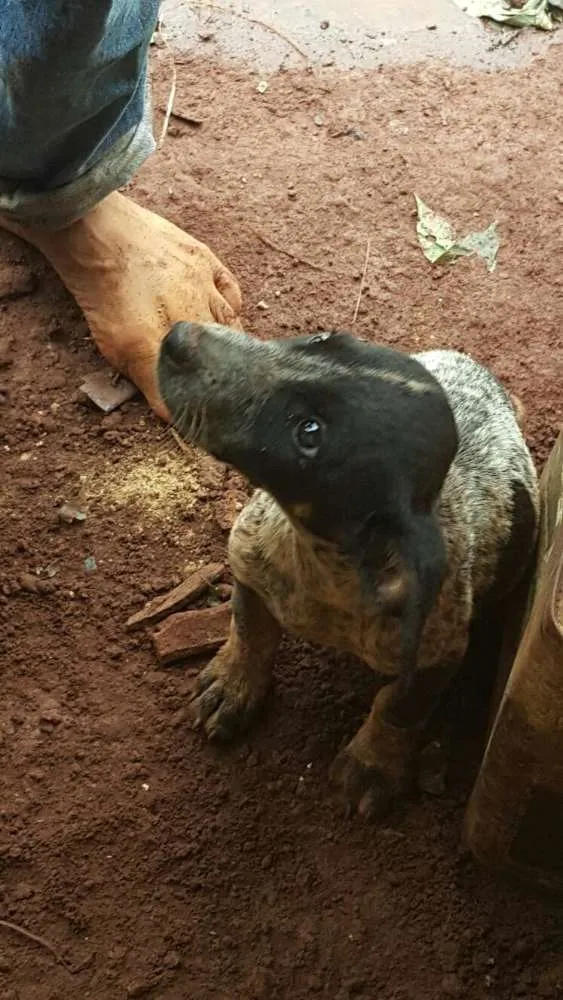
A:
x: 368, y: 790
x: 224, y: 701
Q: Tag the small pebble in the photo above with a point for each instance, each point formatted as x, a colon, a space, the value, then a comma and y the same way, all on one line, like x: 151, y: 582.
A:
x: 111, y: 420
x: 29, y: 583
x: 23, y: 891
x: 224, y: 591
x: 139, y: 989
x: 179, y: 718
x: 51, y: 716
x: 68, y: 513
x: 172, y: 960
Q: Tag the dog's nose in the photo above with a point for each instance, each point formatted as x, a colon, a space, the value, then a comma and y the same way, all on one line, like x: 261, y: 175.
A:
x: 180, y: 344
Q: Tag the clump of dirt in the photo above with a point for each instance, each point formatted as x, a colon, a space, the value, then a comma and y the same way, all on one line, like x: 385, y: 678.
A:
x: 155, y: 864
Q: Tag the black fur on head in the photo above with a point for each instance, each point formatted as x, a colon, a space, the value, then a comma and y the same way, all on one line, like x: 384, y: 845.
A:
x: 353, y: 440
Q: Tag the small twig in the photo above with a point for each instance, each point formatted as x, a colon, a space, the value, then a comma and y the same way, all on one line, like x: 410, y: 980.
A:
x: 288, y: 253
x: 180, y: 441
x: 251, y: 20
x: 156, y: 32
x: 186, y: 118
x: 362, y: 282
x: 169, y: 106
x: 37, y: 940
x: 172, y: 94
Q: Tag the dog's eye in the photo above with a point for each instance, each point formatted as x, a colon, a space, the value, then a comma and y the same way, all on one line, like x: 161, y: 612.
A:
x: 319, y: 338
x: 308, y: 436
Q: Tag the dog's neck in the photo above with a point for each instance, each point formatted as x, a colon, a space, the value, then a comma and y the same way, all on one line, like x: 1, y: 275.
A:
x: 309, y: 547
x: 320, y: 557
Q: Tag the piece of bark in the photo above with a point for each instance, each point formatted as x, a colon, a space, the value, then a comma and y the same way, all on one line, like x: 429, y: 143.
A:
x: 191, y: 633
x: 186, y: 117
x: 101, y: 389
x: 165, y: 604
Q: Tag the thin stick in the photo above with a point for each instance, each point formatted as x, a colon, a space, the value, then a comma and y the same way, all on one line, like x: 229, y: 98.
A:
x: 37, y: 940
x: 179, y: 441
x: 288, y: 253
x: 362, y: 282
x: 251, y: 20
x: 170, y: 105
x: 172, y: 94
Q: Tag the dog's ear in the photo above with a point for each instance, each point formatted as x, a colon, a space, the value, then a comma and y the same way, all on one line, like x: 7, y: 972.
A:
x: 424, y: 555
x: 402, y: 567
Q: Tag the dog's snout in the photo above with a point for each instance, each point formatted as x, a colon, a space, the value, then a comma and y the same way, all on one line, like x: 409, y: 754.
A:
x: 180, y: 344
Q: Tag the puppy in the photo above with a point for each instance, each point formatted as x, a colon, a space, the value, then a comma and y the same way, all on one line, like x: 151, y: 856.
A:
x: 395, y: 497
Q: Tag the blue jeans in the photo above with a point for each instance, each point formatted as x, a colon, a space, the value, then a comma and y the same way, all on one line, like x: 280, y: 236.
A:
x: 75, y: 115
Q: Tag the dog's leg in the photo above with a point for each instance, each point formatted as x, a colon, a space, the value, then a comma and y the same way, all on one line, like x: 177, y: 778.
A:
x: 231, y: 688
x: 376, y: 766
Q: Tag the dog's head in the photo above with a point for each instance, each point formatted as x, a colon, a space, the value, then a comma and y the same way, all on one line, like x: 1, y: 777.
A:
x: 352, y: 439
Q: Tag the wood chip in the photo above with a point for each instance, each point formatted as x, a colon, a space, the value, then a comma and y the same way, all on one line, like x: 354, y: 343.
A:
x: 191, y: 633
x: 165, y: 604
x: 107, y: 394
x: 185, y: 117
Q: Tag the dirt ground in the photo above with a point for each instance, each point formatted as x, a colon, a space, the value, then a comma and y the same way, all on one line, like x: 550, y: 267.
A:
x: 153, y: 864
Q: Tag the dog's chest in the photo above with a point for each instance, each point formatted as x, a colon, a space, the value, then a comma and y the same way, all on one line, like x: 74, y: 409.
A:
x: 311, y: 594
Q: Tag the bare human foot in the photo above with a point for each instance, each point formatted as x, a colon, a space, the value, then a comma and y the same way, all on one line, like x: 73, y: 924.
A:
x: 134, y: 274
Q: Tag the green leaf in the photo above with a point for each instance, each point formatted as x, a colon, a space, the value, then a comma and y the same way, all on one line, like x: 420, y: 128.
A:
x: 435, y: 234
x: 441, y: 246
x: 486, y: 244
x: 532, y: 13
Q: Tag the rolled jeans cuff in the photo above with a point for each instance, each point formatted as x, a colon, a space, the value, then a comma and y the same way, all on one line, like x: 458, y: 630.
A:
x: 59, y: 207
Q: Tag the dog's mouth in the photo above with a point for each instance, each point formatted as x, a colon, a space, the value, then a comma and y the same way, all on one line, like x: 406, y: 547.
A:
x: 189, y: 421
x: 185, y: 376
x: 210, y: 378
